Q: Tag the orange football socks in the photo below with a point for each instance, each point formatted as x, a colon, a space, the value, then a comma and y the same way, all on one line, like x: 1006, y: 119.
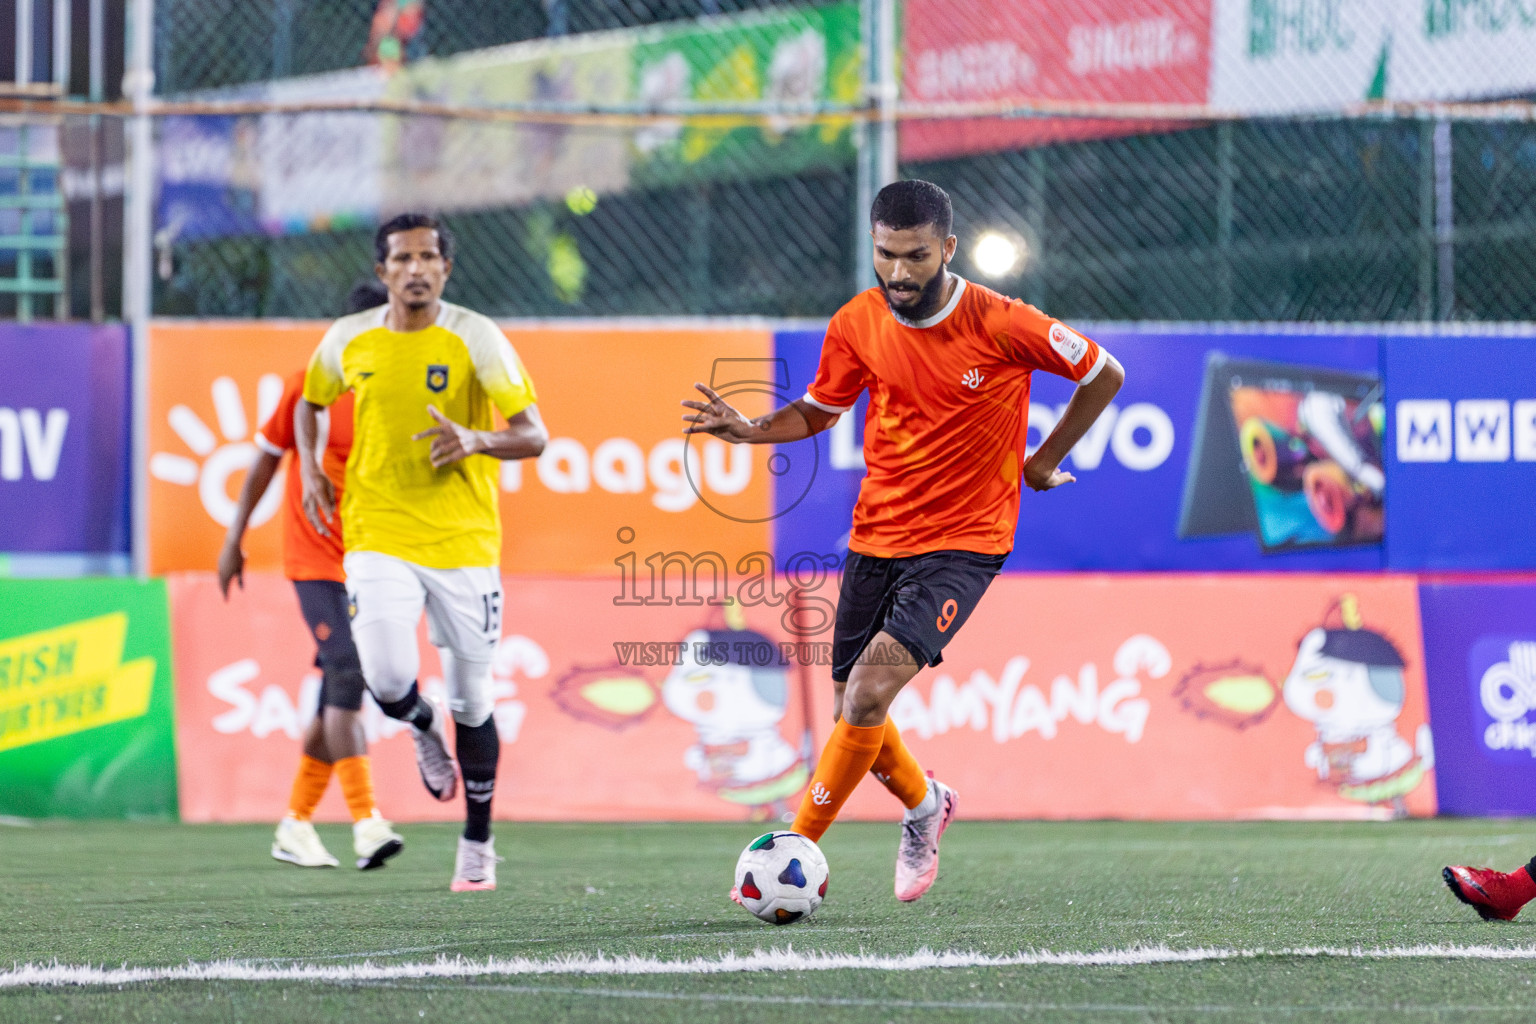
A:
x: 849, y: 754
x: 308, y: 787
x: 898, y: 771
x: 356, y: 775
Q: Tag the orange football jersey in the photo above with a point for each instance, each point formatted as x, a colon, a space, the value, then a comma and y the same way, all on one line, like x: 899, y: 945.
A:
x: 944, y: 437
x: 306, y: 554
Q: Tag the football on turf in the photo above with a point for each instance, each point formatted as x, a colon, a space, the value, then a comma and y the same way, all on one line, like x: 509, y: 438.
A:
x: 781, y: 877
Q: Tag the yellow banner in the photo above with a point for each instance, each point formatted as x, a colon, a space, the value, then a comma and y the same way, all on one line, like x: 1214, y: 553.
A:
x: 68, y: 679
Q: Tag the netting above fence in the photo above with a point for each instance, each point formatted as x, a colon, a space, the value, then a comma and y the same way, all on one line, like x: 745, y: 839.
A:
x: 1130, y: 159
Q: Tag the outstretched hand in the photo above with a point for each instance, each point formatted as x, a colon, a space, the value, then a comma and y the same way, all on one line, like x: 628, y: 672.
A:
x: 718, y: 418
x: 451, y: 442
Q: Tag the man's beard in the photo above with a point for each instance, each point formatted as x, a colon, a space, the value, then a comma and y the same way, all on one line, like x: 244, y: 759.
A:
x: 929, y: 298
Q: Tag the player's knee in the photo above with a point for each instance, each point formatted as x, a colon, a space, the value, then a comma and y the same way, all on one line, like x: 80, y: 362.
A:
x: 866, y: 701
x: 390, y: 687
x: 472, y: 713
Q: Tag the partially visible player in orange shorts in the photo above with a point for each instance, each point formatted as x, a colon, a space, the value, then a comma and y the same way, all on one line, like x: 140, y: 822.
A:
x: 334, y: 741
x: 947, y: 365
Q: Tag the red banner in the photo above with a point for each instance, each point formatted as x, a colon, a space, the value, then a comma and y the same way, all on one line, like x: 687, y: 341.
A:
x: 1170, y: 697
x: 1129, y: 51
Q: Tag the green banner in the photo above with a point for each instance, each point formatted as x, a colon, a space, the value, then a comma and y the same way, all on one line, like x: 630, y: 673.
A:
x: 793, y: 57
x: 87, y: 725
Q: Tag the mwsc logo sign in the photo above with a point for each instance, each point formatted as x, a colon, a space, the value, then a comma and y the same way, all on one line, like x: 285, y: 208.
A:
x: 1506, y: 690
x: 1469, y: 430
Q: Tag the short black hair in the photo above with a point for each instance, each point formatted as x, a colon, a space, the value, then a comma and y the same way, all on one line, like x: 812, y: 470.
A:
x: 409, y: 222
x: 910, y: 204
x: 366, y: 295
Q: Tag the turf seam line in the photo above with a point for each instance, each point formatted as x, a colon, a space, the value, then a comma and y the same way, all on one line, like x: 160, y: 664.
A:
x: 771, y: 960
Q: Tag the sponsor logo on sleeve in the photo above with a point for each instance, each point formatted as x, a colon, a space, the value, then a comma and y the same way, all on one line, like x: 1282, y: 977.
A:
x: 1068, y: 344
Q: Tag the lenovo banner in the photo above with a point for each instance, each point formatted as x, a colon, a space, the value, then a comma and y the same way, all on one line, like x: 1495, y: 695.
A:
x: 1480, y: 646
x: 639, y: 697
x: 1461, y: 452
x: 1223, y: 451
x: 64, y: 449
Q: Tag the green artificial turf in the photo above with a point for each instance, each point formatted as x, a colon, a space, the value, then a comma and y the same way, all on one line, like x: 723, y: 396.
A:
x: 113, y: 894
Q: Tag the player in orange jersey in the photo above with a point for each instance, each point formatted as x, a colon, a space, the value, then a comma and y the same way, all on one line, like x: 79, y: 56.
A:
x: 947, y: 365
x: 334, y: 741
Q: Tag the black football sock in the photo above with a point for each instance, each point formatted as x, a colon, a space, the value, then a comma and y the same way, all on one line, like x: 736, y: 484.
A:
x: 478, y: 749
x: 410, y: 709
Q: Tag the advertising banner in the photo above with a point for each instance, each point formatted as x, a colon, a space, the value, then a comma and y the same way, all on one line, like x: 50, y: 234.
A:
x: 323, y: 169
x: 1222, y: 452
x: 1290, y: 56
x: 1463, y: 49
x: 86, y: 703
x: 64, y: 438
x: 1128, y: 51
x: 1285, y: 56
x: 444, y: 164
x: 804, y: 56
x: 617, y: 480
x: 1178, y: 697
x: 608, y: 707
x: 1083, y: 697
x: 1480, y: 648
x: 278, y: 173
x: 211, y: 387
x: 1461, y: 466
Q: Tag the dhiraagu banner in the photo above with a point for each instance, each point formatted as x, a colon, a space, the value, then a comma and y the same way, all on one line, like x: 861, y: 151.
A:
x: 86, y: 700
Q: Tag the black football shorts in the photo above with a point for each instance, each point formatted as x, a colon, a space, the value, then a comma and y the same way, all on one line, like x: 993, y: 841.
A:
x: 327, y: 613
x: 921, y: 600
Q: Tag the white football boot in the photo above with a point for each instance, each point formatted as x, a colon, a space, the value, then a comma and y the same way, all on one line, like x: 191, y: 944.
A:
x: 917, y: 858
x: 295, y: 841
x: 475, y: 866
x: 374, y: 840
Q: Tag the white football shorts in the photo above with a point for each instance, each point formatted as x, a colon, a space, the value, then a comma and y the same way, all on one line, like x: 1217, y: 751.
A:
x: 463, y: 607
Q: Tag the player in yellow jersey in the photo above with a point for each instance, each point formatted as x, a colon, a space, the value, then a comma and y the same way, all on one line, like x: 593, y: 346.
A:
x: 422, y: 526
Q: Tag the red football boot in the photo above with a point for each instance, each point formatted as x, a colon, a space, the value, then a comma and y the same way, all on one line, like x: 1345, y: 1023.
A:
x: 1495, y: 896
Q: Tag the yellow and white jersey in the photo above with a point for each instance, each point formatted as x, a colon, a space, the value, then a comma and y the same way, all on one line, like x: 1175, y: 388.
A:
x: 395, y: 503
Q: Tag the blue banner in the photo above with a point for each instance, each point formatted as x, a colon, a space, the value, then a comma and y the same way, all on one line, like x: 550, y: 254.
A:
x: 1480, y: 658
x: 1461, y: 466
x: 1240, y: 451
x: 64, y: 438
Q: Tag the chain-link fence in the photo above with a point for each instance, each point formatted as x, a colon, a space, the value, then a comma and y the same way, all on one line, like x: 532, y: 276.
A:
x: 1249, y: 159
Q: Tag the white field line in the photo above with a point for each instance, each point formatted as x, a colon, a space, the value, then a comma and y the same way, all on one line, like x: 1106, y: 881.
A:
x: 1014, y: 1009
x: 772, y: 960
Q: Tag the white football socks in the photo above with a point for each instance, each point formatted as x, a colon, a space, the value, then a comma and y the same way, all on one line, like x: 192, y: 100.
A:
x: 929, y: 805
